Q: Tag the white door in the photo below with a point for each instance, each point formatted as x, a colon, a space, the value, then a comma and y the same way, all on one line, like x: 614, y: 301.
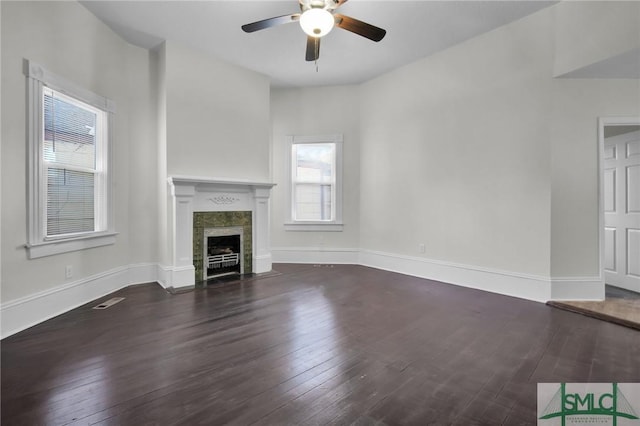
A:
x: 622, y: 211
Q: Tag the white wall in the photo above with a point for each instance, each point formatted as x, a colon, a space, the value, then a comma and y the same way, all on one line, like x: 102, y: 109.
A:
x: 143, y: 149
x: 70, y: 42
x: 0, y: 171
x: 316, y: 111
x: 164, y: 204
x: 217, y: 117
x: 455, y: 153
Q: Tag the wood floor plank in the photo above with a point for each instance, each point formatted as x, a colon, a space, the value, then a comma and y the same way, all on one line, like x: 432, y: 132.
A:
x: 309, y: 345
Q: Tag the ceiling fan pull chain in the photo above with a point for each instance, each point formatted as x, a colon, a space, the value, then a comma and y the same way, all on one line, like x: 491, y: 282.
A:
x: 317, y: 55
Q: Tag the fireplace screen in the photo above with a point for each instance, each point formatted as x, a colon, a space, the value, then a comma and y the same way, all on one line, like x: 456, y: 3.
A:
x: 223, y: 252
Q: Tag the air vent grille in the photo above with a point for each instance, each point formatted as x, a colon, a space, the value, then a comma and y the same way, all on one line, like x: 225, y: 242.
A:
x: 108, y: 303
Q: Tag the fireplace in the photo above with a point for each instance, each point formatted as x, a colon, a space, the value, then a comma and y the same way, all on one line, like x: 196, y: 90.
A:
x: 222, y: 252
x: 219, y: 239
x: 219, y: 208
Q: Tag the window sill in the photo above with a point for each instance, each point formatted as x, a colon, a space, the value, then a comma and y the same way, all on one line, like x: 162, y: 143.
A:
x: 314, y: 226
x: 50, y: 248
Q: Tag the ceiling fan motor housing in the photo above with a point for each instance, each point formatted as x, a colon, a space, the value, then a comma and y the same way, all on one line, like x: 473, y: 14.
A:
x: 319, y: 4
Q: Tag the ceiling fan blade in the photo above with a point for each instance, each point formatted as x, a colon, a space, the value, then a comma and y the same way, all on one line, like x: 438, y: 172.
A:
x: 361, y: 28
x: 271, y: 22
x: 313, y: 48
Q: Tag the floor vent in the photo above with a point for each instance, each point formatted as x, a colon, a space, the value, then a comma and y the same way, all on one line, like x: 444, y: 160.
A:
x: 108, y: 303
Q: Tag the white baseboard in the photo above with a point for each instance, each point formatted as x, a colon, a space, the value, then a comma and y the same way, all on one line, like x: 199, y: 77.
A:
x: 163, y: 274
x: 523, y: 286
x: 530, y: 287
x: 20, y: 314
x: 346, y: 256
x: 262, y: 264
x: 143, y: 273
x: 176, y: 276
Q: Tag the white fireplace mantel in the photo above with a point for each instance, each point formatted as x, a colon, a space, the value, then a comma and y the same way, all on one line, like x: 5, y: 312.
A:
x: 198, y: 194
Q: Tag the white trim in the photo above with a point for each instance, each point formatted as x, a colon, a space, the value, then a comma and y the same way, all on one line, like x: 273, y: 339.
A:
x: 194, y: 180
x: 262, y: 263
x: 530, y: 287
x: 37, y: 72
x: 334, y: 138
x: 525, y: 286
x: 143, y: 273
x: 25, y: 312
x: 312, y: 255
x: 178, y: 276
x: 314, y: 227
x: 163, y: 275
x: 34, y: 133
x: 49, y: 248
x: 38, y: 245
x: 335, y: 225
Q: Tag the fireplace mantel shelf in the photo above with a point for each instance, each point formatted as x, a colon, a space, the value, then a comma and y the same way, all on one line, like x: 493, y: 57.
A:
x: 196, y: 180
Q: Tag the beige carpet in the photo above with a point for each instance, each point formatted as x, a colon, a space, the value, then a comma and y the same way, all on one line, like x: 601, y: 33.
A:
x: 620, y: 307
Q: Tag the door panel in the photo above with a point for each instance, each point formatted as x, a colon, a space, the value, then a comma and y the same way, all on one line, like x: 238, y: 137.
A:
x: 610, y: 249
x: 609, y: 152
x: 610, y: 190
x: 633, y: 189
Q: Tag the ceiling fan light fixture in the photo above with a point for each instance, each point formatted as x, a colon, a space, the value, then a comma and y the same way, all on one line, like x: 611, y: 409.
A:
x: 317, y: 22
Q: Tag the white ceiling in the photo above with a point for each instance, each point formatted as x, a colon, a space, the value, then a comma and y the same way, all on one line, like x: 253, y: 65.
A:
x: 415, y: 29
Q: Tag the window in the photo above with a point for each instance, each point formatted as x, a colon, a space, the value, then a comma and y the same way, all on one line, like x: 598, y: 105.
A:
x: 69, y: 191
x: 315, y: 183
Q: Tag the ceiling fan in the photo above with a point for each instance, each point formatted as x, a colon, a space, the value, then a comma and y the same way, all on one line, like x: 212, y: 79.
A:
x: 317, y: 18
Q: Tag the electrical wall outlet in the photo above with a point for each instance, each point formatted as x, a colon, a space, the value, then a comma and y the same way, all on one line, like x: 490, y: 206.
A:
x: 422, y: 248
x: 68, y: 271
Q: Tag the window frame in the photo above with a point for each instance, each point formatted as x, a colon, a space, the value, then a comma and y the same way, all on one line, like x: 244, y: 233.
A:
x: 39, y: 244
x: 334, y: 225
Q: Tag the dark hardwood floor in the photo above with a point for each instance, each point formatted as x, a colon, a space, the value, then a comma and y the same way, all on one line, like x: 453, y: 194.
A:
x: 344, y: 345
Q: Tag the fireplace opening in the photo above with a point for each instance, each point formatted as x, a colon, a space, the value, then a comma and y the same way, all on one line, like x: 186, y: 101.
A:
x: 223, y: 252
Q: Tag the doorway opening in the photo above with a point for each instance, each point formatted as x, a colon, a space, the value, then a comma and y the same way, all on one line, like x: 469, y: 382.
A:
x: 619, y: 210
x: 619, y: 224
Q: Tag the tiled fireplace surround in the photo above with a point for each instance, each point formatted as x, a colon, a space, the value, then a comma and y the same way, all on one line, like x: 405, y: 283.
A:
x: 216, y: 202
